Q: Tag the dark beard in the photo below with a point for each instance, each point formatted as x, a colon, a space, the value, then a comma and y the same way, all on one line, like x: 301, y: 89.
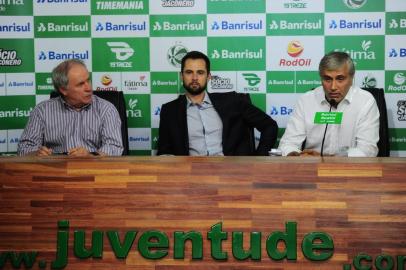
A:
x: 195, y: 91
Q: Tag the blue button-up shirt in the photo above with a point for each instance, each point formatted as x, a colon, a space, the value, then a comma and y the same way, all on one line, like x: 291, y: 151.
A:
x: 205, y: 129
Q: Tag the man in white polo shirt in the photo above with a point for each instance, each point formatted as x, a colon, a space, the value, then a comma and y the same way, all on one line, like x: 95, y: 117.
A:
x: 353, y: 125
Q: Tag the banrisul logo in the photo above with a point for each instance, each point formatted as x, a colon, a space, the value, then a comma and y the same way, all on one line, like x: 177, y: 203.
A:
x: 395, y: 81
x: 164, y: 82
x: 63, y: 55
x: 355, y: 24
x: 235, y: 25
x: 295, y: 24
x: 15, y: 27
x: 138, y: 110
x: 121, y: 54
x: 371, y: 23
x: 177, y: 25
x: 109, y: 7
x: 175, y: 54
x: 245, y: 25
x: 366, y: 51
x: 397, y: 52
x: 110, y: 26
x: 14, y: 111
x: 241, y: 53
x: 395, y: 23
x: 62, y: 26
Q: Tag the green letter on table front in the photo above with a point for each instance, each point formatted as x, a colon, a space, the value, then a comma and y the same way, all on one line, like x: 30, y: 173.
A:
x: 160, y: 246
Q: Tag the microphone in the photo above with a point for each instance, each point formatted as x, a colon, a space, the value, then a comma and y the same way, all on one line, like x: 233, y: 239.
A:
x: 333, y: 103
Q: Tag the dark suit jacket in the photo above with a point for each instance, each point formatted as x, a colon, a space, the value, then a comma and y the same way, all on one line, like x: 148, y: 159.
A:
x: 238, y: 115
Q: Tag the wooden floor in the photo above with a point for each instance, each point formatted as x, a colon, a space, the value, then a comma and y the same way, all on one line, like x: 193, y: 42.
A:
x: 360, y: 203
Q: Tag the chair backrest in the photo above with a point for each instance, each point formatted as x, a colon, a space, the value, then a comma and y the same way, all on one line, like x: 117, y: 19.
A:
x: 117, y: 99
x: 383, y: 143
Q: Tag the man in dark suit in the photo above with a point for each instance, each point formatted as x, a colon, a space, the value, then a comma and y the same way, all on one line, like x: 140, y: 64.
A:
x: 209, y: 124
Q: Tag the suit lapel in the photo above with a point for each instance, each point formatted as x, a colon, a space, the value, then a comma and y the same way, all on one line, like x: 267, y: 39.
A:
x: 182, y: 120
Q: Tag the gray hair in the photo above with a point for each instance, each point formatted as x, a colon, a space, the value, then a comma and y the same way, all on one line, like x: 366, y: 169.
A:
x: 335, y: 60
x: 60, y: 73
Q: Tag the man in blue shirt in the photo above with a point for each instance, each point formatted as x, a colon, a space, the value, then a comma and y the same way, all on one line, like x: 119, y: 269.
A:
x: 209, y: 124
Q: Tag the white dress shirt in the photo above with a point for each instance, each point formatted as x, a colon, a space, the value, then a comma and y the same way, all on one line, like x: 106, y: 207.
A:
x: 356, y: 136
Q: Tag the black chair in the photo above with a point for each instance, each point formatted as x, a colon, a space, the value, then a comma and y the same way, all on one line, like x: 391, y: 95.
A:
x: 117, y: 99
x: 383, y: 143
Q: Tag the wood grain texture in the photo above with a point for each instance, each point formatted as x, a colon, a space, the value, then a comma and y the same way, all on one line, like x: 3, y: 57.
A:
x: 361, y: 203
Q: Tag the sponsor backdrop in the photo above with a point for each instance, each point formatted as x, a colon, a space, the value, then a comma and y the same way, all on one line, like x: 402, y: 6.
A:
x: 268, y: 48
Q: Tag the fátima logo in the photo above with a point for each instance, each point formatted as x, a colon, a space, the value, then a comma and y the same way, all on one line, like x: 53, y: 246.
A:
x: 355, y: 4
x: 133, y: 112
x: 136, y: 84
x: 175, y: 54
x: 365, y: 54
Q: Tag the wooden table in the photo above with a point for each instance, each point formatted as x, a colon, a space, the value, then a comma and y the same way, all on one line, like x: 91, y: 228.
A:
x: 359, y: 203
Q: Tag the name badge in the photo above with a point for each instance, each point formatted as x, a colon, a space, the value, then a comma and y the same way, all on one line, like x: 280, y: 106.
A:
x: 328, y: 118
